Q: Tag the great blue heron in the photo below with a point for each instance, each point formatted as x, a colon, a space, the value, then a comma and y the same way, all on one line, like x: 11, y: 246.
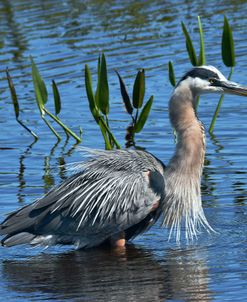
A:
x: 119, y: 194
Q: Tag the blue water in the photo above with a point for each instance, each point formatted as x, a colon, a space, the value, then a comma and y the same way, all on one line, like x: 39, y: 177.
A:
x: 64, y: 35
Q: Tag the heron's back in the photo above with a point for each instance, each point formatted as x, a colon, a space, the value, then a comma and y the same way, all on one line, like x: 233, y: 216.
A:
x: 111, y: 192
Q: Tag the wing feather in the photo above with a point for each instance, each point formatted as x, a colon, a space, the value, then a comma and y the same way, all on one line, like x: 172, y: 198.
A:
x: 110, y: 193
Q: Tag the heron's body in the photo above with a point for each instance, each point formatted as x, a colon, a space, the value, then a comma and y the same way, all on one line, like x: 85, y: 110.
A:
x: 75, y: 212
x: 119, y: 194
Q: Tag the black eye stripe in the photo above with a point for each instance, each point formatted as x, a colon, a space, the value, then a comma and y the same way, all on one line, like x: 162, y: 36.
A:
x: 216, y: 82
x: 201, y: 73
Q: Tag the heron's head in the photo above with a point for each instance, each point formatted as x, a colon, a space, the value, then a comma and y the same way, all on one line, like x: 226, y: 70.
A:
x: 208, y: 79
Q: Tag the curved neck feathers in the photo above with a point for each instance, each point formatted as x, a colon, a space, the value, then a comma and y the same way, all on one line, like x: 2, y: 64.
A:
x: 182, y: 204
x: 190, y: 147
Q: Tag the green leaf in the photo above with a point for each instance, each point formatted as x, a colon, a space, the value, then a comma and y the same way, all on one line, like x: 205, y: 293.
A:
x: 125, y: 95
x: 139, y: 89
x: 57, y: 99
x: 89, y: 89
x: 144, y: 115
x: 103, y: 87
x: 227, y: 45
x: 16, y: 104
x: 189, y: 46
x: 39, y: 88
x: 90, y: 95
x: 98, y: 83
x: 13, y: 94
x: 202, y: 57
x: 171, y: 74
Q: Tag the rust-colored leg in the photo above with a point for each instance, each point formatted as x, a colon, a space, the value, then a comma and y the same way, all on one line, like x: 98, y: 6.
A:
x: 118, y: 240
x: 155, y: 205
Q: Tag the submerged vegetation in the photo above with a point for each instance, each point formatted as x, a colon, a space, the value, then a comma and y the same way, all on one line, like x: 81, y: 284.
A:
x: 99, y: 100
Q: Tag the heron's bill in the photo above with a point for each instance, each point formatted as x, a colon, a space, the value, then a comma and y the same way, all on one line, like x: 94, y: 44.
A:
x: 232, y: 88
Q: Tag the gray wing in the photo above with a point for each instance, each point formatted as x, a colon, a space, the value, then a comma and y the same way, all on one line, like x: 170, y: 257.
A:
x: 113, y: 191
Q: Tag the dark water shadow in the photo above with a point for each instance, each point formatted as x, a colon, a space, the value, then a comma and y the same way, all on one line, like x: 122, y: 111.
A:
x: 15, y: 35
x: 49, y: 173
x: 106, y: 275
x: 21, y: 172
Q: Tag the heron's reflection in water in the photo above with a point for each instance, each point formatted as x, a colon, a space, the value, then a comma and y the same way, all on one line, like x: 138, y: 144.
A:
x: 103, y: 275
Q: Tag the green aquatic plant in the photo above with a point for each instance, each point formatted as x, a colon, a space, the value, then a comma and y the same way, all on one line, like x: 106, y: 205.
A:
x: 99, y: 102
x: 133, y: 107
x: 228, y: 57
x: 16, y: 104
x: 201, y: 59
x: 41, y: 99
x: 100, y: 106
x: 41, y: 96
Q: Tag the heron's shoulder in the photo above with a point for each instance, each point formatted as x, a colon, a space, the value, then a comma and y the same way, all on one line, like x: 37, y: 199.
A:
x: 122, y: 160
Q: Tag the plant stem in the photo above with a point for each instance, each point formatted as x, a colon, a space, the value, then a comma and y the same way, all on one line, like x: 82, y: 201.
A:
x: 197, y: 102
x: 137, y: 113
x: 108, y: 146
x: 231, y: 72
x: 51, y: 128
x: 107, y: 123
x: 30, y: 131
x: 77, y: 138
x: 110, y: 133
x: 65, y: 131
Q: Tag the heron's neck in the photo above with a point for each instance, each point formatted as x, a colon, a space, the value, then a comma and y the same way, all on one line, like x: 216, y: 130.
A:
x: 182, y: 204
x: 190, y: 148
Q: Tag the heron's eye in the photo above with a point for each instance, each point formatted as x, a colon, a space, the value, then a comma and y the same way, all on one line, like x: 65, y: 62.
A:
x: 211, y: 81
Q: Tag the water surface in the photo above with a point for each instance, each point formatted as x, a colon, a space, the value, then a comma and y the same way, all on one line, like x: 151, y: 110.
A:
x: 64, y: 35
